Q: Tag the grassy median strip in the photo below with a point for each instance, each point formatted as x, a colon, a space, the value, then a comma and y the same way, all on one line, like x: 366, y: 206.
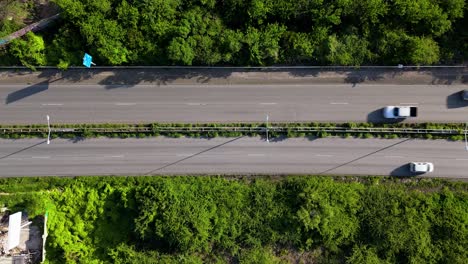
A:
x: 246, y: 219
x: 452, y: 131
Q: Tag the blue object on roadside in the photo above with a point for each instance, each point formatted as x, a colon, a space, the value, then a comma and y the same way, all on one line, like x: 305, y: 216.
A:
x: 87, y: 60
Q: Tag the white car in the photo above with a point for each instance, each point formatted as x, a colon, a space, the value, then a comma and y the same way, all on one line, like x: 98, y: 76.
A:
x: 400, y: 111
x: 421, y: 167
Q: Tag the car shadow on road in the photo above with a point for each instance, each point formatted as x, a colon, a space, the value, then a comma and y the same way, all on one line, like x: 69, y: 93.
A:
x: 377, y: 117
x: 402, y: 171
x: 455, y: 100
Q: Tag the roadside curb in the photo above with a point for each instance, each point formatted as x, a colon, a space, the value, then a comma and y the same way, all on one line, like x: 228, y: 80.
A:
x: 232, y: 75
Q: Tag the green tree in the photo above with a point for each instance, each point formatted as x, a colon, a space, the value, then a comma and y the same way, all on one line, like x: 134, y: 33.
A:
x: 398, y: 225
x: 181, y: 50
x: 263, y: 46
x: 230, y: 45
x: 425, y: 16
x: 30, y: 51
x: 328, y: 213
x: 298, y: 47
x: 423, y: 51
x: 450, y: 225
x: 65, y: 49
x: 258, y: 10
x: 364, y: 255
x: 348, y: 50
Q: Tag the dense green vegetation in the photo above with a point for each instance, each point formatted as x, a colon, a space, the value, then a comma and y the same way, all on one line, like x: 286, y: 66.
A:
x: 212, y: 130
x: 247, y: 219
x: 247, y: 32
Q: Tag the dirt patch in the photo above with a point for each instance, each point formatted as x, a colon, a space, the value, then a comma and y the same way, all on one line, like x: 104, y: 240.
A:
x: 45, y: 9
x: 15, y: 11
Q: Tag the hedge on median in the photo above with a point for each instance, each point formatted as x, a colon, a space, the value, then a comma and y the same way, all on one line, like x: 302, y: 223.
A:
x: 156, y: 129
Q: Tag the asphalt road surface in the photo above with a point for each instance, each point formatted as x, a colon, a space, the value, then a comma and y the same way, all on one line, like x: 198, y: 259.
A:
x: 32, y: 157
x: 75, y: 103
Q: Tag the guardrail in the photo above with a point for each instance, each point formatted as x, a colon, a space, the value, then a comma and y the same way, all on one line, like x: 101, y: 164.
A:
x: 33, y: 27
x: 258, y: 129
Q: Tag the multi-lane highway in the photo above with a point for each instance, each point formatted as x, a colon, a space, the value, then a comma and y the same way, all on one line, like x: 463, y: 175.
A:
x: 86, y: 103
x: 140, y: 96
x: 229, y: 155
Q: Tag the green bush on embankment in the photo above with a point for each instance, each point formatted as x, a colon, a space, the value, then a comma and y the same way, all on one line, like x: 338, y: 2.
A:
x: 246, y: 219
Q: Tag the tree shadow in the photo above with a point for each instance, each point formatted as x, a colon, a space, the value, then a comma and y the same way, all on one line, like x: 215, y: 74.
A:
x: 350, y: 75
x: 455, y: 100
x: 360, y: 76
x: 75, y: 75
x: 377, y: 117
x: 127, y: 78
x: 53, y: 75
x: 34, y: 242
x: 312, y: 138
x: 281, y: 138
x: 448, y: 76
x: 364, y: 74
x: 77, y: 139
x: 302, y: 72
x: 274, y: 139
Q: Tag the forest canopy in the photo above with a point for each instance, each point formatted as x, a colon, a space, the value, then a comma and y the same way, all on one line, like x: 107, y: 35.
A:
x: 250, y: 32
